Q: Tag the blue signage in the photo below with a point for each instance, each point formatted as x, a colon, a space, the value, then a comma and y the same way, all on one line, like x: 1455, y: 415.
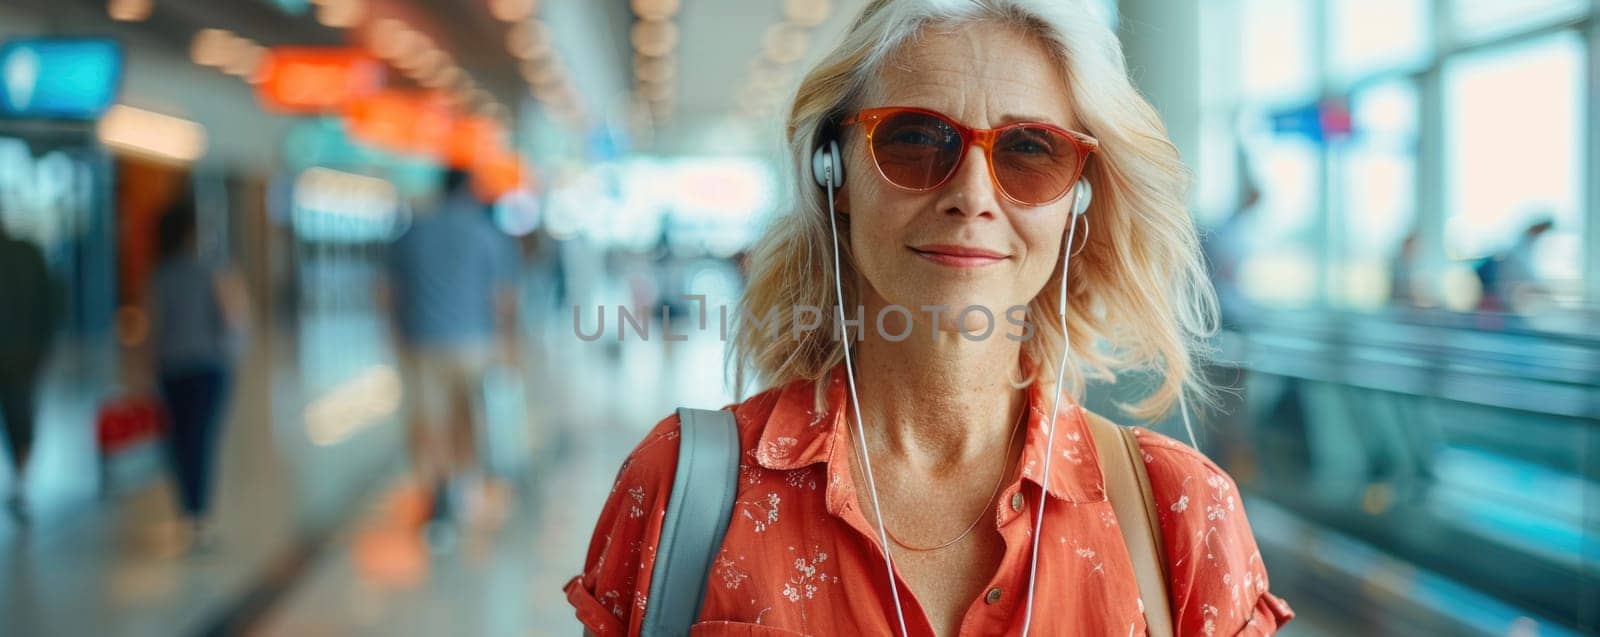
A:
x: 1318, y: 121
x: 59, y: 78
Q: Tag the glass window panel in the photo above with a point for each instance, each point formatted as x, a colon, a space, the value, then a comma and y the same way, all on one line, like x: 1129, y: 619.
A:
x: 1374, y: 202
x: 1278, y: 61
x: 1376, y: 35
x: 1513, y: 154
x: 1220, y: 66
x: 1277, y: 237
x: 1478, y: 19
x: 1218, y: 182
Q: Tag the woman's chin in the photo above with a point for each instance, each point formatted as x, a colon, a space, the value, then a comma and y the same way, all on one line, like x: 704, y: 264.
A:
x: 954, y: 312
x: 946, y: 303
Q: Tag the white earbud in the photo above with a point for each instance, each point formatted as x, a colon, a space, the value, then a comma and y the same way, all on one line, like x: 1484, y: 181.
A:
x: 827, y: 165
x: 1082, y: 194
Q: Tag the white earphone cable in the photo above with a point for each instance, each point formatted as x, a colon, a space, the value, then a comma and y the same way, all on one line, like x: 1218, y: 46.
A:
x: 855, y: 403
x: 1085, y: 235
x: 828, y: 169
x: 1055, y: 409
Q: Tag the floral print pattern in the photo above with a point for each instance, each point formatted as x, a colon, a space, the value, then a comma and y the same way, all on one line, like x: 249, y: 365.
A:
x: 800, y: 557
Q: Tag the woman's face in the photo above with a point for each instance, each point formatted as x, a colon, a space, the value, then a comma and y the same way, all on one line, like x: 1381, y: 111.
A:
x: 983, y: 76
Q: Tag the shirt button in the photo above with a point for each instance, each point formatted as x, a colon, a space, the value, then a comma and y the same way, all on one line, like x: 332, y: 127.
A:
x: 993, y: 596
x: 1016, y: 501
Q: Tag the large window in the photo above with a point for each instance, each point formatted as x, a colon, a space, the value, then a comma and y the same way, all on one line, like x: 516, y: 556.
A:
x: 1399, y: 149
x: 1514, y: 134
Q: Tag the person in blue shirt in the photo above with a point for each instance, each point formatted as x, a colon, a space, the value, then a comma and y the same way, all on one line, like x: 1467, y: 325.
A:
x: 451, y: 297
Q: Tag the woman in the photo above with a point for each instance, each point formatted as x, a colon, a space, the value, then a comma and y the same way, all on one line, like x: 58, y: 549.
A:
x: 964, y: 128
x: 198, y: 313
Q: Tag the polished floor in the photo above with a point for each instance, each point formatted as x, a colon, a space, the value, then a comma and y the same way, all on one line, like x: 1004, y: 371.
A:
x: 316, y: 525
x: 590, y: 402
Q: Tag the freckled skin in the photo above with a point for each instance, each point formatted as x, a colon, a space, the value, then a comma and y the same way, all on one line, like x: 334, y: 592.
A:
x: 932, y: 487
x: 982, y: 76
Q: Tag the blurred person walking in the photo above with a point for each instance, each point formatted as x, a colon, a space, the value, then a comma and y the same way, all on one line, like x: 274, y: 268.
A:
x: 450, y: 291
x: 27, y: 323
x: 199, y: 314
x: 1509, y: 278
x: 1404, y: 284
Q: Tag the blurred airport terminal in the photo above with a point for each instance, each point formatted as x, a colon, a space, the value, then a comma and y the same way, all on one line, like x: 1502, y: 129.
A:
x: 1400, y: 202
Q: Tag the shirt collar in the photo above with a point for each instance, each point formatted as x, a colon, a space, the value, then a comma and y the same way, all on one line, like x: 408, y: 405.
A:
x: 797, y: 436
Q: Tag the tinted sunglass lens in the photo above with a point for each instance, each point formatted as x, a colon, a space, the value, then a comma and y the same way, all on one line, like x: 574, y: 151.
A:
x: 1035, y: 165
x: 916, y: 150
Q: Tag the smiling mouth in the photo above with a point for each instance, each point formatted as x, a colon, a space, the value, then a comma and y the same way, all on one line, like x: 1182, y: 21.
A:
x: 959, y: 256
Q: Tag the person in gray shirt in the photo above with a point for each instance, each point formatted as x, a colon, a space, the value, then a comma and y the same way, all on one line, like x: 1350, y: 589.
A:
x: 199, y: 312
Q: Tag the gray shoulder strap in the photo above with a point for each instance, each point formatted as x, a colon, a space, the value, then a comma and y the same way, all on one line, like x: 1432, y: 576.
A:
x: 698, y: 510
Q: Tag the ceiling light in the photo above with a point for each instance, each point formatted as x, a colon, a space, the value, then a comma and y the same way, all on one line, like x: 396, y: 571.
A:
x: 413, y: 44
x: 528, y: 40
x: 244, y: 60
x: 129, y: 10
x: 211, y: 46
x: 151, y: 134
x: 430, y: 62
x: 445, y: 77
x: 389, y: 38
x: 655, y: 9
x: 655, y: 91
x: 556, y: 93
x: 654, y: 69
x: 806, y: 13
x: 654, y: 37
x: 341, y: 14
x: 542, y: 75
x: 785, y: 43
x: 511, y: 10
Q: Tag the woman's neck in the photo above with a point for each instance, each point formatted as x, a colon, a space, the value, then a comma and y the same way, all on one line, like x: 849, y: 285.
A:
x: 937, y: 399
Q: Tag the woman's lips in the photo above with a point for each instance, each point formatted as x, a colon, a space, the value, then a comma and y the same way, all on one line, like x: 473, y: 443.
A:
x: 958, y: 256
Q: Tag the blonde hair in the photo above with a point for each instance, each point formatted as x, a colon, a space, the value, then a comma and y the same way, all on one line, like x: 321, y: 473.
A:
x: 1138, y: 297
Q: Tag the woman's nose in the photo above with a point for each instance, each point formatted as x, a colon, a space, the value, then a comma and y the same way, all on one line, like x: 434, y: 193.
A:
x: 971, y: 191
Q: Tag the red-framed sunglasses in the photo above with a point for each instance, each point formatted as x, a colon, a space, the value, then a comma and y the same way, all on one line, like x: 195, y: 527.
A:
x: 916, y: 149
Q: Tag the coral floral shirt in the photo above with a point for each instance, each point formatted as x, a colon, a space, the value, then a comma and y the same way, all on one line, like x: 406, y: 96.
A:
x: 801, y: 558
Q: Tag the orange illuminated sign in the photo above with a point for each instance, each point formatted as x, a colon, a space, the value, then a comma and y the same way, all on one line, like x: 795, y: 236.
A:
x: 496, y: 174
x: 307, y: 80
x: 472, y: 138
x: 410, y: 122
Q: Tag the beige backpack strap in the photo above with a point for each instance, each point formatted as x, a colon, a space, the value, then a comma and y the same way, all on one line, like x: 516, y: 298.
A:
x: 1128, y: 489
